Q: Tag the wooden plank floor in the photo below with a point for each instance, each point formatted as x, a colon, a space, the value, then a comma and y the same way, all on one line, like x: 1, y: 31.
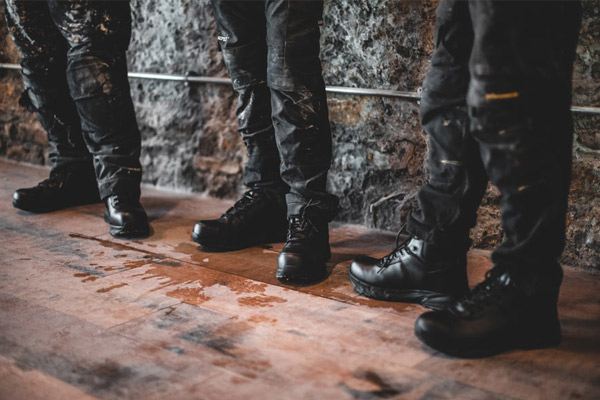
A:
x: 86, y: 316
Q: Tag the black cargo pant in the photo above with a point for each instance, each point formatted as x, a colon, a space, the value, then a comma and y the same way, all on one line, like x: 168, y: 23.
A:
x: 496, y: 104
x: 271, y: 50
x: 75, y: 79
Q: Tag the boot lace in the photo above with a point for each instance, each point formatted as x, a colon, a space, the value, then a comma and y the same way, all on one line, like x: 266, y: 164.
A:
x: 55, y: 180
x: 301, y: 226
x: 491, y: 291
x: 400, y: 250
x: 250, y: 198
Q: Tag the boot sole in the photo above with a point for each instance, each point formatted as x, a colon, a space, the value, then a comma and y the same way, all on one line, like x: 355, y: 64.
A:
x: 118, y: 233
x: 124, y: 232
x: 287, y: 278
x: 426, y: 298
x: 532, y: 339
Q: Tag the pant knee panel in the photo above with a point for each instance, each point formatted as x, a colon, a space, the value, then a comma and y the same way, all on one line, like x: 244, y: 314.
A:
x: 247, y: 64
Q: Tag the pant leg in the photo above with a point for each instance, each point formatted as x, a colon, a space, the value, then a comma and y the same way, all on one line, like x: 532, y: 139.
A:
x: 298, y: 102
x: 519, y: 99
x: 43, y: 61
x: 448, y: 202
x: 241, y: 30
x: 98, y: 33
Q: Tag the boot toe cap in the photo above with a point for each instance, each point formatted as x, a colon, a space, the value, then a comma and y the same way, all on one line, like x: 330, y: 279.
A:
x: 429, y: 322
x: 433, y: 329
x: 128, y: 217
x: 365, y: 269
x: 32, y: 201
x: 127, y: 223
x: 208, y: 232
x: 19, y: 198
x: 456, y: 336
x: 297, y: 268
x: 20, y: 194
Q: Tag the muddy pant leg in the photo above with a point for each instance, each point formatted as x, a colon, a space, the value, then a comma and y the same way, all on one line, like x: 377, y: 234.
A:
x: 98, y: 34
x: 241, y: 30
x: 299, y: 105
x: 448, y: 202
x: 519, y: 98
x: 43, y: 59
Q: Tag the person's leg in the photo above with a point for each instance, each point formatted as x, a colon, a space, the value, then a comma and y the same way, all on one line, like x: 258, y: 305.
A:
x: 98, y: 34
x: 43, y: 61
x: 241, y: 28
x: 301, y: 122
x: 519, y: 99
x: 259, y: 217
x: 430, y: 266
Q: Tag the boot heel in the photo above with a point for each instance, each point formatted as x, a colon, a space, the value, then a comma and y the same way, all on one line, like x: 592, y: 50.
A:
x: 542, y: 332
x: 541, y: 342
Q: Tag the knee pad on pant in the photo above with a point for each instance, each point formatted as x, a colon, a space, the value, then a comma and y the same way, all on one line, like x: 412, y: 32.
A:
x: 294, y: 69
x: 247, y: 64
x: 90, y: 76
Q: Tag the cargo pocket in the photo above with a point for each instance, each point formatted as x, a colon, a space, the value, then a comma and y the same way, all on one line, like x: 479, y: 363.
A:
x: 498, y: 117
x: 101, y: 103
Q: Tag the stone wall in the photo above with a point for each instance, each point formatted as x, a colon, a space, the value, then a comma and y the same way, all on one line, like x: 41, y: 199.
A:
x: 190, y: 141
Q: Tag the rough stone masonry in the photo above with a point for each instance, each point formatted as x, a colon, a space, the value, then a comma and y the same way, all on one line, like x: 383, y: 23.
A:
x: 190, y: 142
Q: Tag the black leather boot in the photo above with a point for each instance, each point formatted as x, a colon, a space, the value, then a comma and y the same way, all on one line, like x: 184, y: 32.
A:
x: 502, y: 313
x: 64, y: 188
x: 415, y: 272
x: 126, y: 216
x: 302, y: 259
x: 258, y: 217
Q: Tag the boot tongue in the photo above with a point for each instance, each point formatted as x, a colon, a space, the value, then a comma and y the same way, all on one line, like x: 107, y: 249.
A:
x: 57, y: 179
x: 300, y: 228
x: 298, y: 223
x: 249, y: 198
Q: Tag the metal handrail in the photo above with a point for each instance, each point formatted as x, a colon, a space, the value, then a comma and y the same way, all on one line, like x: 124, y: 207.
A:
x: 330, y: 89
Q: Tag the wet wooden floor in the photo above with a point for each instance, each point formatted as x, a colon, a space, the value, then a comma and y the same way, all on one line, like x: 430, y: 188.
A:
x: 86, y: 316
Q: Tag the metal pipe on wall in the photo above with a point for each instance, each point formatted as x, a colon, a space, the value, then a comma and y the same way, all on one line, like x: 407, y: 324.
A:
x: 330, y: 89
